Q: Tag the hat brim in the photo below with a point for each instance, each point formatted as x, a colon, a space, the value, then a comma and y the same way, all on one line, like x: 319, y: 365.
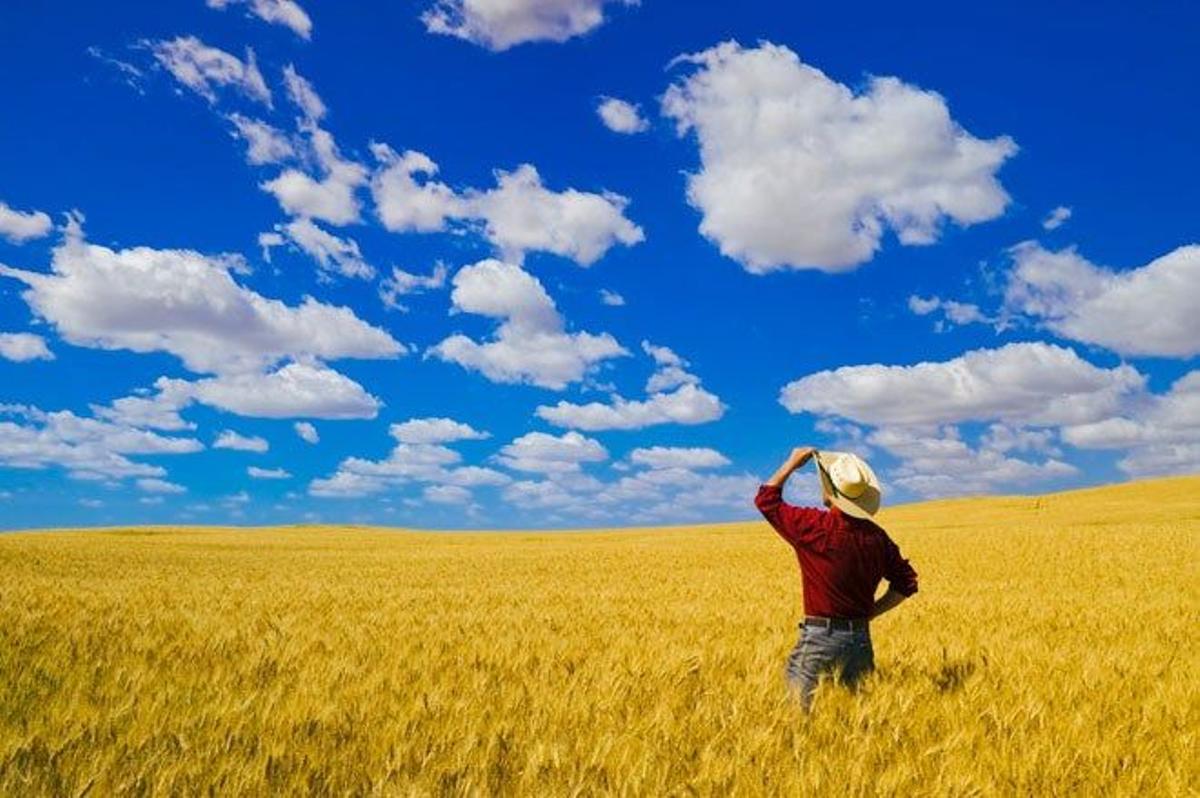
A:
x: 864, y: 505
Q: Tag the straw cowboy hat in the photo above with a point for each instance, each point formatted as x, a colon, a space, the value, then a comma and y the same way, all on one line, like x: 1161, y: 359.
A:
x: 849, y: 482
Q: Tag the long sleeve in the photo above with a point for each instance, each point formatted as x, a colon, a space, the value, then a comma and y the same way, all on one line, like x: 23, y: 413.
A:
x: 899, y: 573
x: 797, y: 525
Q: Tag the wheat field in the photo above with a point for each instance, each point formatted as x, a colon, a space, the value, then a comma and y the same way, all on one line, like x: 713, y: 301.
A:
x: 1051, y: 651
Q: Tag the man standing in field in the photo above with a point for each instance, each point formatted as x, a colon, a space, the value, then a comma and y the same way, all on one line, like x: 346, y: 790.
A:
x: 843, y: 556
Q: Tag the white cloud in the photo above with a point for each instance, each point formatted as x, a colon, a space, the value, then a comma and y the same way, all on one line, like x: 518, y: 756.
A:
x: 158, y: 411
x: 620, y: 116
x: 264, y: 144
x: 1147, y: 311
x: 429, y: 463
x: 267, y: 473
x: 203, y: 69
x: 288, y: 13
x: 522, y: 215
x: 21, y: 226
x: 1010, y: 438
x: 501, y: 24
x: 154, y: 485
x: 939, y: 463
x: 531, y: 344
x: 187, y: 304
x: 542, y: 453
x: 302, y: 94
x: 23, y: 347
x: 1056, y: 218
x: 1160, y: 433
x: 798, y: 171
x: 668, y: 491
x: 407, y: 198
x: 307, y: 432
x: 332, y: 254
x: 519, y: 215
x: 333, y: 198
x: 678, y: 457
x: 447, y: 494
x: 228, y: 439
x: 294, y: 390
x: 954, y: 313
x: 402, y: 283
x: 671, y: 369
x: 688, y: 404
x: 89, y: 448
x: 611, y: 298
x: 435, y: 430
x: 1028, y: 383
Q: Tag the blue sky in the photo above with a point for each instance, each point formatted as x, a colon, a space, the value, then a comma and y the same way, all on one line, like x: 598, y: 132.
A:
x: 577, y: 263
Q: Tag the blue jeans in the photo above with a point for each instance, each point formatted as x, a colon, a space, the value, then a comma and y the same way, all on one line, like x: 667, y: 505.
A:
x: 844, y: 655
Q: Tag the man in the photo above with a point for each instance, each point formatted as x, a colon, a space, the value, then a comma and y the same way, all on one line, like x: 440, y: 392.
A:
x: 843, y: 556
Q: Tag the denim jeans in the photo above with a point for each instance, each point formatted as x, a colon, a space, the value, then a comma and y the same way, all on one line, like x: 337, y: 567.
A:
x: 844, y: 655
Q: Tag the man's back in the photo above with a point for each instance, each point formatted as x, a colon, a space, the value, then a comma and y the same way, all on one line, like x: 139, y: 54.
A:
x: 842, y: 558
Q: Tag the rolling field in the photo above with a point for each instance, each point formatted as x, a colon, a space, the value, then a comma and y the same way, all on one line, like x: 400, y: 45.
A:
x: 1052, y: 650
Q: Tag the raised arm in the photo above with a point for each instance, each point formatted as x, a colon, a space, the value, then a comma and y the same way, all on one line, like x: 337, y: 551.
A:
x: 796, y: 525
x: 799, y: 456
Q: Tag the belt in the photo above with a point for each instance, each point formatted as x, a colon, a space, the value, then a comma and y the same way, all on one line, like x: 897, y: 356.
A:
x: 843, y: 624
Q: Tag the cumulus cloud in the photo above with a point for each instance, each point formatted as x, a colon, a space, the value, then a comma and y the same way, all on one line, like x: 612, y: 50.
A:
x: 446, y: 494
x: 621, y: 116
x: 334, y: 255
x: 331, y: 198
x: 21, y: 226
x: 187, y: 304
x: 402, y: 283
x: 543, y: 453
x: 522, y: 215
x: 419, y: 456
x: 435, y: 430
x: 531, y: 344
x: 1056, y: 218
x: 254, y: 472
x: 953, y: 313
x: 519, y: 215
x: 407, y: 198
x: 674, y: 396
x: 799, y: 171
x: 88, y: 448
x: 1160, y: 433
x: 302, y: 94
x: 287, y: 13
x: 688, y: 404
x: 307, y: 432
x: 672, y: 485
x: 23, y: 347
x: 1034, y: 398
x: 671, y: 369
x: 501, y: 24
x: 678, y: 457
x: 155, y: 485
x: 295, y: 390
x: 1029, y: 383
x: 1147, y: 311
x: 264, y: 143
x: 228, y: 439
x: 939, y: 463
x: 204, y: 69
x: 611, y: 298
x: 159, y: 410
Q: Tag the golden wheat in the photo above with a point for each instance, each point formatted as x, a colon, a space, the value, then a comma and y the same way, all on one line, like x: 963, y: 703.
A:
x: 1051, y: 651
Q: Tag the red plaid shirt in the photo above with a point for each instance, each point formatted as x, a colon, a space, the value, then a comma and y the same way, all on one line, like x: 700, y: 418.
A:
x: 842, y: 558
